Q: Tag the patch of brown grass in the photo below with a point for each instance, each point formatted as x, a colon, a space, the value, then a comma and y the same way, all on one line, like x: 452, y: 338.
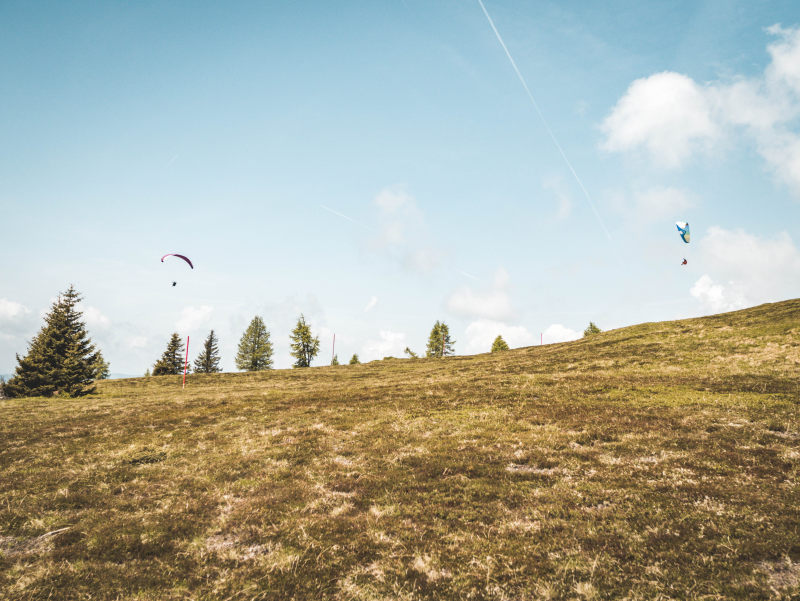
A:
x: 657, y: 461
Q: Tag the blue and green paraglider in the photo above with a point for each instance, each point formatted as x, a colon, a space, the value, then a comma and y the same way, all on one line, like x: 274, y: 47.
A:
x: 683, y: 230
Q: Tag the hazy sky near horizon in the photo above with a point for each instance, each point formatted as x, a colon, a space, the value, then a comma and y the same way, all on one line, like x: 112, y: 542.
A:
x: 380, y: 165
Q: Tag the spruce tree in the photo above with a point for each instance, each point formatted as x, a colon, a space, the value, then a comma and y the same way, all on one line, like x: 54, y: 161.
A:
x: 439, y: 342
x: 335, y: 360
x: 255, y: 348
x: 171, y: 362
x: 61, y: 358
x: 304, y: 346
x: 591, y: 329
x: 207, y: 361
x: 499, y: 344
x: 354, y: 359
x: 101, y: 367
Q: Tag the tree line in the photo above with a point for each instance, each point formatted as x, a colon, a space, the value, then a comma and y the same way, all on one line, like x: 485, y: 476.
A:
x: 255, y: 349
x: 254, y: 353
x: 62, y: 360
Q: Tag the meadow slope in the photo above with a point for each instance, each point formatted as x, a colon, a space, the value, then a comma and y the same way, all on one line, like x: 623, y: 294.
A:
x: 658, y: 461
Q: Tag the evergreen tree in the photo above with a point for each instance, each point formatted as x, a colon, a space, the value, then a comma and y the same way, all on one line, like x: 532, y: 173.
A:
x: 354, y: 359
x: 439, y: 342
x: 499, y: 344
x: 304, y: 346
x: 591, y: 329
x: 61, y: 358
x: 255, y: 348
x: 335, y: 360
x: 207, y: 361
x: 171, y: 362
x: 101, y: 367
x: 2, y: 384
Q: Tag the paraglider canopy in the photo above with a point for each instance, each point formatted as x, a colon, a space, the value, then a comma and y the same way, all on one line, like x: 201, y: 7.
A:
x: 683, y: 230
x: 179, y: 256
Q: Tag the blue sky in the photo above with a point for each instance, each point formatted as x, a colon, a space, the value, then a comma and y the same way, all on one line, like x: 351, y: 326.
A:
x: 379, y: 165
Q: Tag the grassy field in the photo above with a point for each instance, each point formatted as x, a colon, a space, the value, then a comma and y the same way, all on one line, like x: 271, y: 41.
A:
x: 658, y: 461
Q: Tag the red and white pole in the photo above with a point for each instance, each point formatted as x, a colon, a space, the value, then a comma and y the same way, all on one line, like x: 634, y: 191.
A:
x: 186, y: 363
x: 333, y: 348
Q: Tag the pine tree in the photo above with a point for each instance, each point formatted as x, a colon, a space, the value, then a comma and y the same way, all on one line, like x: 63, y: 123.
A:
x: 335, y: 360
x: 207, y: 361
x: 255, y: 348
x: 591, y: 329
x: 411, y: 354
x: 101, y: 367
x: 439, y: 342
x: 354, y: 359
x: 171, y: 362
x: 61, y: 358
x: 304, y: 346
x: 499, y: 344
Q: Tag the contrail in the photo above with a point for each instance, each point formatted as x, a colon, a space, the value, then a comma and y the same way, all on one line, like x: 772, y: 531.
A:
x: 469, y: 275
x: 546, y: 126
x: 343, y: 216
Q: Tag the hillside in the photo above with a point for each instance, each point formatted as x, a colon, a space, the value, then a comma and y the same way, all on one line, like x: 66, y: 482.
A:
x: 658, y: 461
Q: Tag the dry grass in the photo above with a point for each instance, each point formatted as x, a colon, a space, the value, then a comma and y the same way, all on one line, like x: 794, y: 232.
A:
x: 653, y: 462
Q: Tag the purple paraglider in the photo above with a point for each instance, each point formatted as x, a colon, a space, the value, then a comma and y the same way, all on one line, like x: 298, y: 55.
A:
x: 179, y: 256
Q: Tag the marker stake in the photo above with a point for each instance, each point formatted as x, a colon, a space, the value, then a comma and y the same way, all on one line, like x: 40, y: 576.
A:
x: 186, y: 363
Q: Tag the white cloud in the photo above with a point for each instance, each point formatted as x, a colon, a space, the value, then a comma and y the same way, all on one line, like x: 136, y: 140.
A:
x: 671, y: 116
x: 12, y: 311
x: 395, y: 199
x: 15, y: 320
x: 389, y: 344
x: 718, y: 297
x: 559, y: 333
x: 400, y: 216
x: 95, y: 319
x: 424, y: 260
x: 137, y: 342
x: 403, y: 232
x: 667, y: 114
x: 754, y: 269
x: 782, y: 152
x: 493, y: 304
x: 193, y: 317
x: 785, y: 53
x: 371, y: 304
x: 481, y: 334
